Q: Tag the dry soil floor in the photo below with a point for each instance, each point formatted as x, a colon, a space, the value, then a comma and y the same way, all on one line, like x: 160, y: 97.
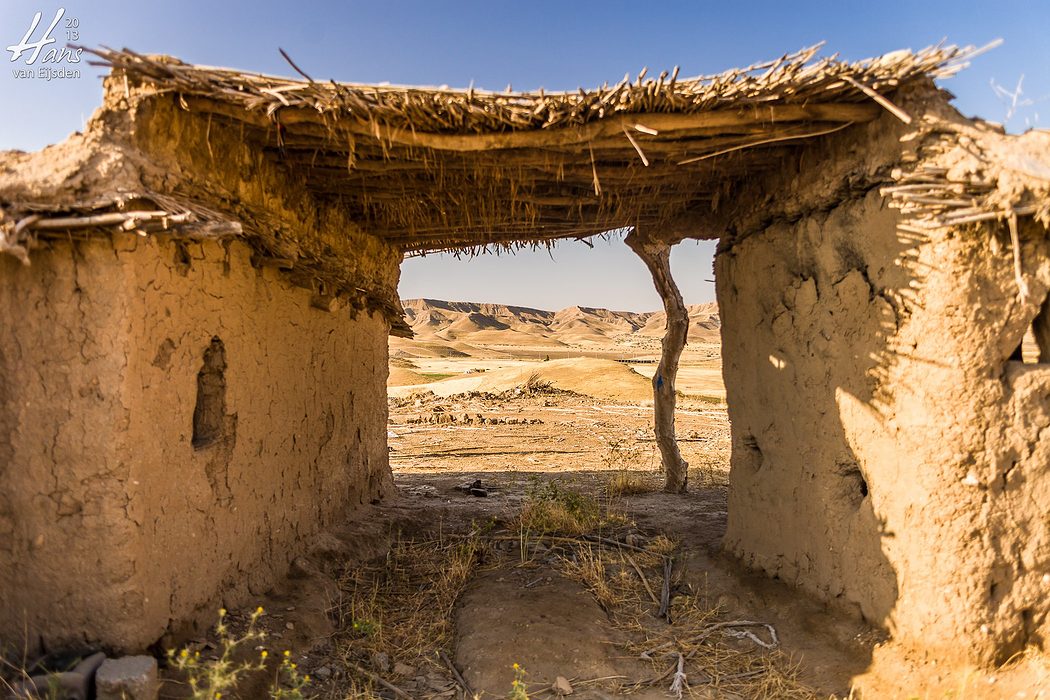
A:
x: 435, y: 589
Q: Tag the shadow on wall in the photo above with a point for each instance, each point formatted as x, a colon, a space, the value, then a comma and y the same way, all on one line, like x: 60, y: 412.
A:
x: 956, y: 427
x: 808, y: 311
x: 871, y: 406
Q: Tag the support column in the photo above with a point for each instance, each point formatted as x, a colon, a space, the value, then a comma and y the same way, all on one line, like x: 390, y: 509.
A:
x: 656, y: 254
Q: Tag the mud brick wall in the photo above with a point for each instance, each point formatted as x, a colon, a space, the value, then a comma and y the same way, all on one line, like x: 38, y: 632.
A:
x: 887, y: 453
x: 174, y: 426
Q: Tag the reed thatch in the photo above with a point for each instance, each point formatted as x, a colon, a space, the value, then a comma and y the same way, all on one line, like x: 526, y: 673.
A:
x: 971, y: 172
x: 439, y: 169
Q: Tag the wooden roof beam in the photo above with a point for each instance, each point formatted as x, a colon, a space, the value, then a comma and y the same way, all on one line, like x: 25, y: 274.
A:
x: 843, y: 112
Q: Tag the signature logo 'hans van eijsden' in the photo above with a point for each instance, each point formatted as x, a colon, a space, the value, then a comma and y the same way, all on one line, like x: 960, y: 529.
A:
x: 55, y: 61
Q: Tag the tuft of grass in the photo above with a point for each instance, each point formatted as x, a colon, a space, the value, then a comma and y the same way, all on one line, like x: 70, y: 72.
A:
x: 626, y: 459
x: 662, y: 545
x: 403, y: 607
x: 708, y: 399
x: 626, y: 483
x: 536, y: 385
x: 610, y: 590
x: 550, y: 508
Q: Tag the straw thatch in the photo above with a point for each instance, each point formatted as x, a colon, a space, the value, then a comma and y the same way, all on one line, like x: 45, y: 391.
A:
x: 971, y: 172
x: 436, y: 168
x: 320, y: 178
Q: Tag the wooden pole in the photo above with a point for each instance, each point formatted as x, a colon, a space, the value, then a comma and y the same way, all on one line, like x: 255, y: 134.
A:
x: 656, y: 254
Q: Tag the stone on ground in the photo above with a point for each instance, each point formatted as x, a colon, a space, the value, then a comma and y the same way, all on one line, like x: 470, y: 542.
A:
x: 127, y: 678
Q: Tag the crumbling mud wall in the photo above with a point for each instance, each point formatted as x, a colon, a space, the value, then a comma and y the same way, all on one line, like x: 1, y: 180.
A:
x: 887, y: 452
x: 174, y: 424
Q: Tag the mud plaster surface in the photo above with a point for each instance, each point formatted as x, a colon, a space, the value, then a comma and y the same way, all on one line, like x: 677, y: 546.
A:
x: 886, y: 454
x: 113, y: 527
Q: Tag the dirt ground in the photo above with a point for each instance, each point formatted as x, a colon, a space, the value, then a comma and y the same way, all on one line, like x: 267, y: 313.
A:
x: 574, y: 443
x: 440, y: 590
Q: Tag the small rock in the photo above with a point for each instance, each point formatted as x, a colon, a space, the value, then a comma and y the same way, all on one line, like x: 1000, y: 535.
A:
x: 403, y: 670
x: 562, y: 686
x: 289, y: 625
x: 127, y: 678
x: 381, y: 662
x: 322, y: 672
x: 71, y: 684
x: 437, y: 682
x: 300, y: 568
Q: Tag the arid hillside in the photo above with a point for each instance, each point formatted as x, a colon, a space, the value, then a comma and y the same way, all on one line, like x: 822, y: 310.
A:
x: 466, y: 346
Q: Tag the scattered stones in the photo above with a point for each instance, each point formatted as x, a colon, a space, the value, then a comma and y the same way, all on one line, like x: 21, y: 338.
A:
x: 127, y: 678
x: 475, y: 488
x: 440, y: 416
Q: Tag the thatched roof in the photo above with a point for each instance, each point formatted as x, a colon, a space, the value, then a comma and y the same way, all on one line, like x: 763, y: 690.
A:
x: 319, y: 177
x: 437, y: 168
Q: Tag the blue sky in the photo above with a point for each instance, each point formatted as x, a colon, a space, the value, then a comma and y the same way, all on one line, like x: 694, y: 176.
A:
x: 556, y: 45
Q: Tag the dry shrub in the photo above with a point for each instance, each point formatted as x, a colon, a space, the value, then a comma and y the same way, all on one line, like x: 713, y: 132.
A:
x: 403, y: 607
x: 534, y: 384
x: 625, y: 483
x: 716, y: 664
x: 588, y: 567
x: 550, y: 508
x: 627, y: 460
x: 662, y: 545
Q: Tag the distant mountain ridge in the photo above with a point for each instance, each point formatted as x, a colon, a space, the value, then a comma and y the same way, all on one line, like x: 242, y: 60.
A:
x: 502, y: 324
